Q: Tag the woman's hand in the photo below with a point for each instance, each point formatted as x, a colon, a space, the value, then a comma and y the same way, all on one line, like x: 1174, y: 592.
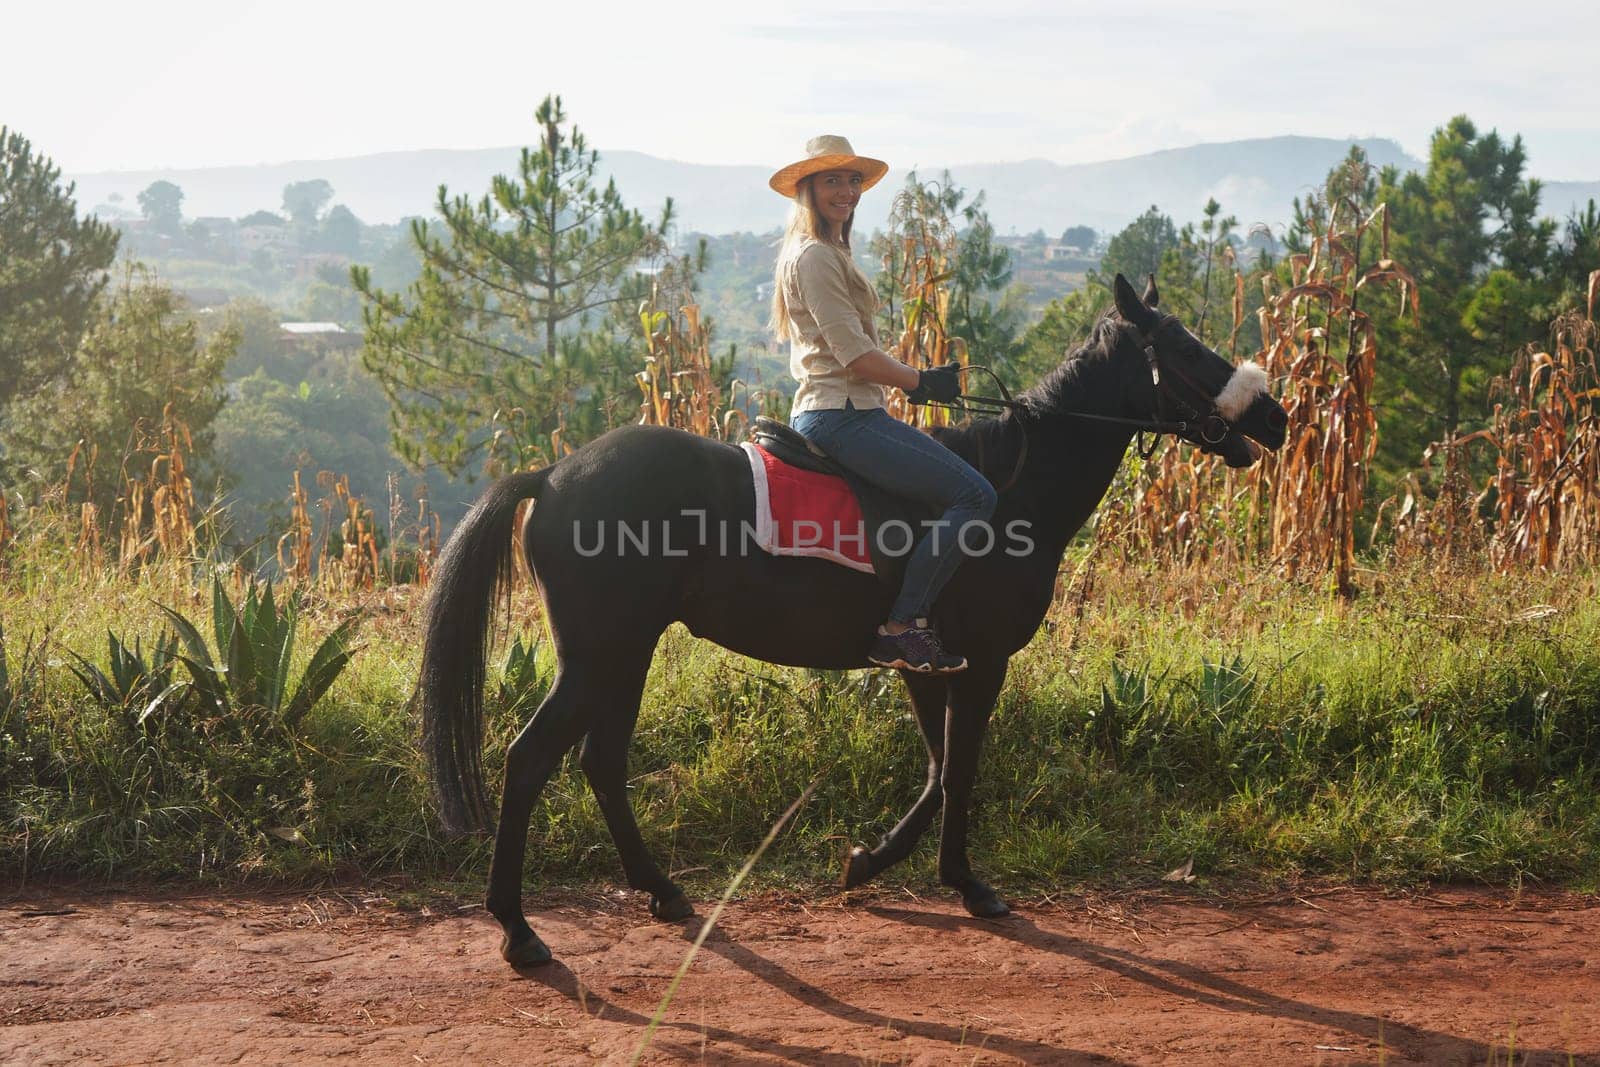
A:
x: 940, y: 385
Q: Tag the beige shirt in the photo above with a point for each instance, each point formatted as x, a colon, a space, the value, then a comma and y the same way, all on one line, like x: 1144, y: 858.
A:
x: 830, y: 324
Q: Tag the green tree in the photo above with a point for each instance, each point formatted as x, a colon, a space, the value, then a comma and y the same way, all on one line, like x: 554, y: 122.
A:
x: 1469, y: 231
x: 500, y: 340
x: 140, y: 366
x: 1137, y: 250
x: 161, y: 203
x: 1064, y: 326
x: 304, y: 201
x: 1577, y: 256
x: 261, y: 345
x: 1197, y: 280
x: 986, y: 309
x: 52, y: 269
x: 327, y: 301
x: 1082, y: 237
x: 341, y: 232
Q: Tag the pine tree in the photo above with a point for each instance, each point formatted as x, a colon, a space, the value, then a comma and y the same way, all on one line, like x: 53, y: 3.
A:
x: 503, y: 338
x: 1468, y: 228
x: 52, y: 268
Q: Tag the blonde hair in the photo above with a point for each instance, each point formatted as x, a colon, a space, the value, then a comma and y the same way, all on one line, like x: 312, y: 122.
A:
x: 805, y: 225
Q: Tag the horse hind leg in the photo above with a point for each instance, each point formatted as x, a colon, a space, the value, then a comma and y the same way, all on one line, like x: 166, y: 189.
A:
x: 928, y: 702
x: 605, y: 762
x: 530, y: 761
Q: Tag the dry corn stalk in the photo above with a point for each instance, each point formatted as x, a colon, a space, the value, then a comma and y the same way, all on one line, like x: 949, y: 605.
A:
x: 87, y: 550
x: 1447, y: 525
x: 427, y: 540
x: 677, y: 384
x: 173, y: 501
x: 1315, y: 487
x: 1302, y: 503
x: 1545, y: 492
x: 918, y: 265
x: 355, y: 564
x: 294, y: 547
x: 157, y: 510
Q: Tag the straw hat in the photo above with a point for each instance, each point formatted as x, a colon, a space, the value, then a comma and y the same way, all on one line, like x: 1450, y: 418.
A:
x: 828, y: 152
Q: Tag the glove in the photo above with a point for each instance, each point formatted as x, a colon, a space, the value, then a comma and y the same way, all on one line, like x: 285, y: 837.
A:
x: 939, y: 384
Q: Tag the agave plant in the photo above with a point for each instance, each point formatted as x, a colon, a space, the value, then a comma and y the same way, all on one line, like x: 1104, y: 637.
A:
x: 131, y: 681
x: 521, y: 685
x: 255, y: 643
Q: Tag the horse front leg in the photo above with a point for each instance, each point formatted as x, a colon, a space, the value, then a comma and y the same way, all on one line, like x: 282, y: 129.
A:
x: 972, y: 696
x: 927, y: 701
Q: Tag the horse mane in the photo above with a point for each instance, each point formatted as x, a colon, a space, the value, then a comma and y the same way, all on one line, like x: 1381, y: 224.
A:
x: 993, y: 439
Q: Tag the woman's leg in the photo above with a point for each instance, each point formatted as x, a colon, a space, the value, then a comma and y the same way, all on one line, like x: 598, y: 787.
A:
x: 903, y: 460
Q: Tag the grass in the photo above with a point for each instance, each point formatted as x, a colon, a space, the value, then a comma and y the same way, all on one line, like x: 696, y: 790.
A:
x: 1433, y: 728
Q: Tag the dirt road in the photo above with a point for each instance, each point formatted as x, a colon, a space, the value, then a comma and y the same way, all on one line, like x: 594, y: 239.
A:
x: 1334, y: 977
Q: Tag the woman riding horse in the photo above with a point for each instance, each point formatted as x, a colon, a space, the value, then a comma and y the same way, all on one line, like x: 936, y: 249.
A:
x: 606, y: 610
x: 823, y: 306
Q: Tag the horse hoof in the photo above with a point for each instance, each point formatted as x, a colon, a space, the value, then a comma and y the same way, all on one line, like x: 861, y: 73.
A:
x: 857, y: 867
x: 985, y: 904
x: 526, y: 951
x: 672, y: 909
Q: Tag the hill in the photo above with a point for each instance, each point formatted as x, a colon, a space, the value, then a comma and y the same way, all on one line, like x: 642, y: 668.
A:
x: 1255, y: 180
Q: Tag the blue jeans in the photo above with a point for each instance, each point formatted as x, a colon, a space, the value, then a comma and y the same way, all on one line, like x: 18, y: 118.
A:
x: 907, y: 462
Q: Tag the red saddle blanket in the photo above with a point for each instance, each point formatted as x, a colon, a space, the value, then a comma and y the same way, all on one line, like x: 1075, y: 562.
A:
x: 806, y: 513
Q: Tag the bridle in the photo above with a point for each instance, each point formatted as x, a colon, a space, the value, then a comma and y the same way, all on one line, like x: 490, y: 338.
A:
x: 1173, y: 415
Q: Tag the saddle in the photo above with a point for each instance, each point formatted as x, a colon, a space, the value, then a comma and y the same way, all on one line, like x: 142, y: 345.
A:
x: 878, y: 507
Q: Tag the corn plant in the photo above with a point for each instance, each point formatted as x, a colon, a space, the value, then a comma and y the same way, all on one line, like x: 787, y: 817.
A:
x: 412, y: 548
x: 1540, y: 505
x: 1316, y: 486
x: 164, y: 499
x: 918, y: 254
x: 355, y: 563
x: 1546, y: 487
x: 255, y: 646
x: 679, y: 383
x: 1440, y: 521
x: 294, y: 547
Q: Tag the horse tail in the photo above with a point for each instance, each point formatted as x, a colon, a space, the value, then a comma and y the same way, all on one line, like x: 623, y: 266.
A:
x: 474, y: 570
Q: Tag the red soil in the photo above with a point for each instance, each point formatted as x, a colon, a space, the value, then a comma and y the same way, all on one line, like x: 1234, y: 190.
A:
x: 1332, y: 976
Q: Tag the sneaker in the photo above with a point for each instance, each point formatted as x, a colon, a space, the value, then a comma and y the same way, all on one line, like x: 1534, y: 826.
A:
x: 917, y: 649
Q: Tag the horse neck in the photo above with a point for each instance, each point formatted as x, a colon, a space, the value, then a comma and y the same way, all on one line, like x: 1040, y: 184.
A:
x: 1071, y: 461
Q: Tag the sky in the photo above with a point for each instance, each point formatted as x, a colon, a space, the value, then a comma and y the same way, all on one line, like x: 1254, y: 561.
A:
x: 174, y: 83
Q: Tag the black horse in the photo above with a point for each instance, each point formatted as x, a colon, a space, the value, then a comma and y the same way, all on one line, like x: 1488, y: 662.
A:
x: 606, y: 610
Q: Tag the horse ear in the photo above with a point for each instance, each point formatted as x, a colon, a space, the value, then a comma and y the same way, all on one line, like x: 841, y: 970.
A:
x: 1152, y: 295
x: 1129, y: 306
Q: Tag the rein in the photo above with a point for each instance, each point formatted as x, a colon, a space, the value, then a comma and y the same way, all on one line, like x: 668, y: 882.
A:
x: 967, y: 402
x: 1210, y: 429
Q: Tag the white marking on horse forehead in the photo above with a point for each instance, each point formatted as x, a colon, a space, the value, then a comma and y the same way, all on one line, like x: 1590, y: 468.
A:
x: 1247, y: 382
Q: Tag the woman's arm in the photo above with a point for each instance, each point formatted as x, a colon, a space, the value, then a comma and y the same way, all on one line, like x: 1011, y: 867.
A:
x: 880, y: 368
